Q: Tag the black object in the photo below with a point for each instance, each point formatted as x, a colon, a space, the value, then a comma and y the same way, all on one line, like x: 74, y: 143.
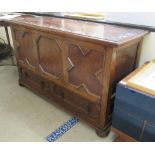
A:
x: 5, y: 49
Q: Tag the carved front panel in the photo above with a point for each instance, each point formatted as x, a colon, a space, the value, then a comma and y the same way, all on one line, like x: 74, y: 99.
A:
x: 25, y: 47
x: 86, y: 69
x: 50, y: 56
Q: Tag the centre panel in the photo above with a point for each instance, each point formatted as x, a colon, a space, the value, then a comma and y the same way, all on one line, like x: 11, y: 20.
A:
x: 50, y: 56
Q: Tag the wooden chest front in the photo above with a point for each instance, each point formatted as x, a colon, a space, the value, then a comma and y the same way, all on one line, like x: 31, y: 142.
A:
x: 77, y: 73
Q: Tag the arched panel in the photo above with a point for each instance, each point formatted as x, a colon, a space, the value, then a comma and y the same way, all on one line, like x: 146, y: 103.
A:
x: 50, y: 56
x: 25, y: 47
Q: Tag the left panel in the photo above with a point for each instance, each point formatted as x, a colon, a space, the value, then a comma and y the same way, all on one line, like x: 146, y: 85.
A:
x: 25, y: 46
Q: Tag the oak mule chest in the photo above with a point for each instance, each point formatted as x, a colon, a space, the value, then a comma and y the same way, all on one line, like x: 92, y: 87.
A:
x: 76, y: 64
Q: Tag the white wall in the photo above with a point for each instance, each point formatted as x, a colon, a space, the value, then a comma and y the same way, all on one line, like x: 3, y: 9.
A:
x: 148, y: 49
x: 141, y: 18
x: 3, y: 35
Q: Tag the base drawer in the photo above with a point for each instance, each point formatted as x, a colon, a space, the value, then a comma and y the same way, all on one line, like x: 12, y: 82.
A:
x: 65, y: 96
x: 79, y: 103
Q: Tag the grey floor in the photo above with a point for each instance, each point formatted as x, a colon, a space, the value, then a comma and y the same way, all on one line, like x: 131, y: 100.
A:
x: 24, y: 116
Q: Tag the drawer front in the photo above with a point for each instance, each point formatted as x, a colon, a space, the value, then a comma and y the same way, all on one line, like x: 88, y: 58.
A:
x: 77, y: 102
x: 33, y: 80
x: 66, y: 98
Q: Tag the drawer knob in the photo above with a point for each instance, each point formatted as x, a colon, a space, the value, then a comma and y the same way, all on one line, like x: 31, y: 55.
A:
x: 42, y: 84
x: 88, y: 108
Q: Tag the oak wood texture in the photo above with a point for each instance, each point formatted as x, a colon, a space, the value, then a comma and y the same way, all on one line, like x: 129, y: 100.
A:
x: 75, y: 63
